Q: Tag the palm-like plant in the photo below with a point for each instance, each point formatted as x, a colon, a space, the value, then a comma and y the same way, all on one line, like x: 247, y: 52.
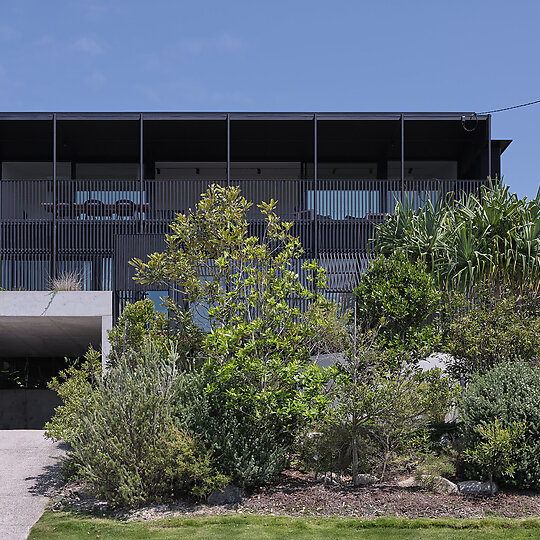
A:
x: 493, y: 237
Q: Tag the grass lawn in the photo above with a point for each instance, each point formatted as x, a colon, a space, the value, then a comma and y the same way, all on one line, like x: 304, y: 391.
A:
x: 67, y: 526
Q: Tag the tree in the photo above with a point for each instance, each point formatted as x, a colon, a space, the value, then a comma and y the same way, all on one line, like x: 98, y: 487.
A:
x: 493, y: 237
x: 495, y: 453
x: 396, y: 297
x: 250, y: 290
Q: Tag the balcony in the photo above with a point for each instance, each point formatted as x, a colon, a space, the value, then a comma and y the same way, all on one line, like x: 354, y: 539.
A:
x: 86, y: 224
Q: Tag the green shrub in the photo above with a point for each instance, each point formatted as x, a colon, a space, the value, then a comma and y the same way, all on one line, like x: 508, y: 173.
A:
x: 251, y: 452
x: 74, y: 385
x: 509, y: 393
x: 137, y: 322
x: 478, y: 336
x: 127, y: 445
x: 396, y: 297
x: 496, y: 454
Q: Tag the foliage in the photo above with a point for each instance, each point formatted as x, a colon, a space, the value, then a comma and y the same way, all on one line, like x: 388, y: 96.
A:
x: 328, y: 328
x: 67, y: 281
x: 137, y: 322
x: 498, y: 449
x: 493, y: 237
x: 397, y: 296
x: 127, y: 445
x: 74, y: 385
x: 250, y: 452
x: 510, y: 393
x: 250, y: 291
x: 381, y: 405
x: 433, y: 465
x: 481, y: 334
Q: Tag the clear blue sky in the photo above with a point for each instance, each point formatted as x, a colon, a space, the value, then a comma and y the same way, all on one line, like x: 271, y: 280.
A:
x: 295, y: 55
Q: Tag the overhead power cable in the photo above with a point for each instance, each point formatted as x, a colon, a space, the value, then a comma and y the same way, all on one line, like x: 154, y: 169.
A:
x: 513, y: 107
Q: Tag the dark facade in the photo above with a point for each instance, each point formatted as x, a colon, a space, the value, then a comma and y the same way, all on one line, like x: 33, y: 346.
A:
x: 85, y: 192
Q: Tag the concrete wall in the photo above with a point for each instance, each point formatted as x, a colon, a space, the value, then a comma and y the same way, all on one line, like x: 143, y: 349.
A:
x: 26, y: 409
x: 52, y: 322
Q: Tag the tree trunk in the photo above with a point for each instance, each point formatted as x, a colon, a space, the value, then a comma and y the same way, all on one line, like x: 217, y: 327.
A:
x: 355, y: 462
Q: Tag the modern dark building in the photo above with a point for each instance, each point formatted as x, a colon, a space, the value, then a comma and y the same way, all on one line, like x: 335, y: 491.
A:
x: 83, y: 193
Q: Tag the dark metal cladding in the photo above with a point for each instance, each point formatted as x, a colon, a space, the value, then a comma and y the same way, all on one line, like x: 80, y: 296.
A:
x: 351, y: 169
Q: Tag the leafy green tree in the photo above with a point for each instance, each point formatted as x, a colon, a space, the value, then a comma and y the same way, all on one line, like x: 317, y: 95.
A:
x: 397, y: 297
x: 250, y: 290
x: 496, y: 452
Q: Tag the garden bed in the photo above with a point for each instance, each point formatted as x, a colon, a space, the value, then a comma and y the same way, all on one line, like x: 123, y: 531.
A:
x: 298, y: 494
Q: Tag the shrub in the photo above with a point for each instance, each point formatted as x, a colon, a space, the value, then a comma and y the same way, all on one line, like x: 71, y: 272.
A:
x: 498, y: 450
x: 127, y: 445
x: 74, y: 385
x: 328, y: 328
x: 250, y: 451
x: 482, y: 334
x: 384, y: 407
x: 396, y: 297
x: 137, y: 322
x: 509, y: 393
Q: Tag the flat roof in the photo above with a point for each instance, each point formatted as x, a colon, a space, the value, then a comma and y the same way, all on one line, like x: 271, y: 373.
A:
x: 239, y: 115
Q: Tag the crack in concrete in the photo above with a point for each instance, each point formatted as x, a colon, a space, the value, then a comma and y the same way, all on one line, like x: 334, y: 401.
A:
x: 53, y: 294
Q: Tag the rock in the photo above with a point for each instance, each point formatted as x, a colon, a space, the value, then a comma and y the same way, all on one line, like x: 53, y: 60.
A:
x: 437, y: 484
x: 474, y: 487
x: 229, y: 495
x: 408, y: 482
x: 367, y: 479
x: 442, y: 485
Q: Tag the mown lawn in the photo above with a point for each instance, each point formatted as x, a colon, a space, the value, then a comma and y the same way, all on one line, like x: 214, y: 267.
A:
x: 67, y: 526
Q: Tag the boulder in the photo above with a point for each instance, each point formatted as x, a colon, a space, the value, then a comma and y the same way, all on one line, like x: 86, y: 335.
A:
x: 474, y: 487
x: 408, y: 482
x: 442, y: 485
x: 367, y: 479
x: 228, y: 495
x: 437, y: 484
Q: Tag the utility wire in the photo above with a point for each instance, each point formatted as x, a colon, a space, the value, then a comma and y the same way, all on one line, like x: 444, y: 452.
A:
x: 513, y: 107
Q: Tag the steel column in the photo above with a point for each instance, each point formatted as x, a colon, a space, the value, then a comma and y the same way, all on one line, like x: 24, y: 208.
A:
x: 489, y: 143
x: 402, y: 169
x: 228, y: 149
x: 141, y: 172
x: 54, y: 206
x: 315, y: 191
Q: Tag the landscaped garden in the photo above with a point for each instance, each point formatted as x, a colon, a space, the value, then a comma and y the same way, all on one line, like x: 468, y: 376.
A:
x: 430, y: 407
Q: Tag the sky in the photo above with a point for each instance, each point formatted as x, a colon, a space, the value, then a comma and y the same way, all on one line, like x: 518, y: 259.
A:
x: 295, y: 55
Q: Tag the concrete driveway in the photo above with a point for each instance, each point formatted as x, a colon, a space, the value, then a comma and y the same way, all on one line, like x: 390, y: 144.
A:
x: 29, y: 474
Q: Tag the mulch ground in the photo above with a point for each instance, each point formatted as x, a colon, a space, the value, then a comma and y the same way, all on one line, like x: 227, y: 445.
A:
x: 298, y: 494
x: 295, y: 493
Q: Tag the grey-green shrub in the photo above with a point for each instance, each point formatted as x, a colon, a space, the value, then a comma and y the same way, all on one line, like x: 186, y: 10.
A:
x: 249, y: 452
x: 128, y: 446
x: 510, y: 393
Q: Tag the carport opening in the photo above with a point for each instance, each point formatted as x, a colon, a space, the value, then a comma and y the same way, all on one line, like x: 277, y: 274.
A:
x: 31, y: 372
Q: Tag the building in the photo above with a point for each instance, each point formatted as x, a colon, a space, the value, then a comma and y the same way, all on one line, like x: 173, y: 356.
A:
x: 85, y: 192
